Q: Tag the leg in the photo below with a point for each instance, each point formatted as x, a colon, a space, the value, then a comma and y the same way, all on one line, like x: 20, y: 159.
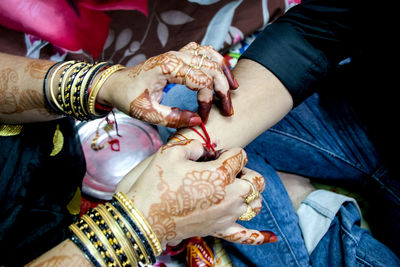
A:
x: 298, y: 187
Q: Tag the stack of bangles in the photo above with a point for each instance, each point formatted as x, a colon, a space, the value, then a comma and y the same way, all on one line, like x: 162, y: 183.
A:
x: 116, y: 234
x: 70, y: 88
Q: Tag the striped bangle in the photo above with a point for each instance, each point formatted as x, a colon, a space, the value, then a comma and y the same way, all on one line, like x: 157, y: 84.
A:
x: 140, y: 221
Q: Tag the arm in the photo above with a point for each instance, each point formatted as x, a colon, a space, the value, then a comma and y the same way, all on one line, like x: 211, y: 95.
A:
x: 284, y: 65
x: 76, y: 89
x: 260, y: 102
x: 64, y: 254
x: 179, y: 197
x: 21, y: 89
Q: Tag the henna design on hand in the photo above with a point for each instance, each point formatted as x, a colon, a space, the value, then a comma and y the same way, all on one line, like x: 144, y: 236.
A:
x: 169, y: 145
x: 13, y: 100
x: 244, y: 237
x: 37, y: 70
x: 8, y: 91
x: 62, y: 260
x: 142, y: 108
x: 200, y: 189
x: 259, y: 183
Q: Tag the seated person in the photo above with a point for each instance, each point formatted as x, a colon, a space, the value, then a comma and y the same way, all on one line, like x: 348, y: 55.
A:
x: 299, y: 111
x: 39, y: 177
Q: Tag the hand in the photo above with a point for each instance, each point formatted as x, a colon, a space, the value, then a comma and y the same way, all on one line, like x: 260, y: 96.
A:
x: 138, y: 90
x: 182, y: 198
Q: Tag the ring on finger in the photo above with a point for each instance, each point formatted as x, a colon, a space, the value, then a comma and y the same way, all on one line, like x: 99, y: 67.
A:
x: 187, y: 73
x: 254, y: 193
x: 201, y: 61
x: 248, y: 215
x: 196, y: 51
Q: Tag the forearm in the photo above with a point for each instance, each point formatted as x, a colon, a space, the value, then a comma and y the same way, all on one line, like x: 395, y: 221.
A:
x: 21, y: 89
x: 64, y: 254
x: 259, y: 103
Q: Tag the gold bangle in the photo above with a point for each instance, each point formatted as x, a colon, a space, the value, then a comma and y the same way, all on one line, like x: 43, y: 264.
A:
x: 141, y: 221
x: 66, y: 79
x: 119, y: 235
x: 86, y: 242
x: 86, y: 83
x: 97, y: 85
x: 100, y: 235
x: 51, y: 87
x: 137, y: 246
x: 74, y: 89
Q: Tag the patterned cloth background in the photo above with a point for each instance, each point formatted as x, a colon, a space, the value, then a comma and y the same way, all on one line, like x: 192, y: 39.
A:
x: 170, y: 25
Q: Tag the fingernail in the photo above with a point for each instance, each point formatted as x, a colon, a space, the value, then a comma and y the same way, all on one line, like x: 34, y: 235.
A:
x: 232, y: 111
x: 194, y: 121
x: 269, y: 237
x: 204, y: 110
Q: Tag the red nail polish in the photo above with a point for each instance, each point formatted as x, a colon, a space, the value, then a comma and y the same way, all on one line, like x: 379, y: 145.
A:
x: 269, y: 237
x: 194, y: 121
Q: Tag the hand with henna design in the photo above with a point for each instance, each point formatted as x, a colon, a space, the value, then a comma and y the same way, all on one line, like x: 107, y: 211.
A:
x: 138, y: 90
x: 198, y: 198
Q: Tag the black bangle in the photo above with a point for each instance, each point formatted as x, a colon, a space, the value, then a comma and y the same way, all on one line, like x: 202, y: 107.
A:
x: 87, y: 86
x: 139, y: 233
x: 79, y: 244
x: 46, y: 97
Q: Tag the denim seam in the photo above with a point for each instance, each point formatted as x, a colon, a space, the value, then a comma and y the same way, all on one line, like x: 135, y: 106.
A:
x: 330, y: 153
x: 281, y: 232
x: 319, y: 208
x: 363, y: 261
x: 349, y: 235
x: 376, y: 178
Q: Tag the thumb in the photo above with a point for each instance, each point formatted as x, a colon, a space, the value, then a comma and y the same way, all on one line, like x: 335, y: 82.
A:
x: 241, y: 235
x: 151, y: 111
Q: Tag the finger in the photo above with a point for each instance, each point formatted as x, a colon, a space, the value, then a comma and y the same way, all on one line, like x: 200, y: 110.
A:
x: 220, y: 82
x: 190, y: 46
x: 241, y: 235
x: 145, y: 108
x: 213, y: 54
x: 189, y: 149
x: 256, y: 205
x: 196, y: 80
x: 254, y: 177
x: 231, y: 163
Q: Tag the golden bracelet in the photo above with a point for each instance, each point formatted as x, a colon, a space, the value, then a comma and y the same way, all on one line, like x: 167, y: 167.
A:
x: 85, y: 86
x: 74, y: 89
x: 51, y: 87
x: 100, y: 235
x: 119, y: 235
x: 97, y: 85
x: 65, y: 79
x: 138, y: 246
x: 141, y: 221
x: 86, y: 242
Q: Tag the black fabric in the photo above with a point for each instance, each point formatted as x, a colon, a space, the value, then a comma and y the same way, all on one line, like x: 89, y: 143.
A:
x: 343, y: 48
x: 35, y: 189
x: 303, y: 45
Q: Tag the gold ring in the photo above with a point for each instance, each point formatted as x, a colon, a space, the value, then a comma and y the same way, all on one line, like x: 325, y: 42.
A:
x: 196, y: 51
x: 248, y: 215
x: 254, y: 193
x: 186, y: 74
x: 201, y: 61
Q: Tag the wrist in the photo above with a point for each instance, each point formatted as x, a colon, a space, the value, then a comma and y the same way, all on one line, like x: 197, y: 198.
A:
x: 109, y: 89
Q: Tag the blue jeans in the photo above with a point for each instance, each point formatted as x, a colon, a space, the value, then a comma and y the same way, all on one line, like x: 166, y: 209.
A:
x: 325, y: 141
